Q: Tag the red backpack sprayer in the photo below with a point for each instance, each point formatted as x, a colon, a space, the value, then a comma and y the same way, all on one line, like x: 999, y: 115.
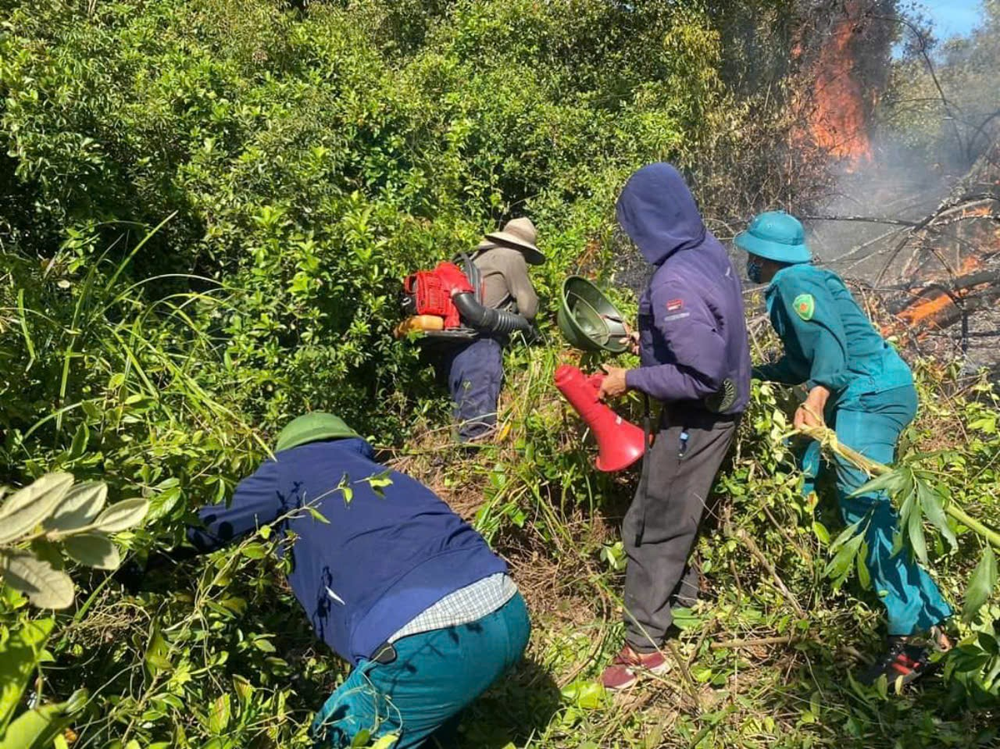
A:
x: 446, y: 303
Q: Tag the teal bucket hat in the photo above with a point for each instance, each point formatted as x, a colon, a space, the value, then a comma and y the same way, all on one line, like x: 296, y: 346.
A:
x: 777, y: 236
x: 312, y: 427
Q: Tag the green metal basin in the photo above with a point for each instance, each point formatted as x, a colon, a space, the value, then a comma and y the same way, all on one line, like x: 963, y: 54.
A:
x: 588, y: 320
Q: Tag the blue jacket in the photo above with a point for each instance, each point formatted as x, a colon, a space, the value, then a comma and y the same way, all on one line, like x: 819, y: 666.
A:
x: 379, y: 561
x: 692, y: 330
x: 828, y: 338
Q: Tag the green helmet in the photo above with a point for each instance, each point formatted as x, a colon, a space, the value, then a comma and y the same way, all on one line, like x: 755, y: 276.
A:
x: 312, y: 428
x: 777, y: 236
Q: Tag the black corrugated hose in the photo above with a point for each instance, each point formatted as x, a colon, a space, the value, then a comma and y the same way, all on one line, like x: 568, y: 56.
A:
x: 486, y: 318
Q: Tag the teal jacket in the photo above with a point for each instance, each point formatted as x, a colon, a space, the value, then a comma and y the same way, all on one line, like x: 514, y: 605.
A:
x: 828, y: 338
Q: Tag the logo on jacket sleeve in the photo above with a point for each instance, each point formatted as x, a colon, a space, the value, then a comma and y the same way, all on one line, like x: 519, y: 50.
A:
x: 805, y: 306
x: 675, y: 310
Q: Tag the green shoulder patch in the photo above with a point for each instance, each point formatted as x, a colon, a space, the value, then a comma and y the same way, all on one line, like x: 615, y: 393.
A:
x: 805, y: 306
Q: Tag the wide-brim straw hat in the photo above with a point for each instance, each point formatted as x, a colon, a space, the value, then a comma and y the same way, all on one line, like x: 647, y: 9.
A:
x: 520, y: 234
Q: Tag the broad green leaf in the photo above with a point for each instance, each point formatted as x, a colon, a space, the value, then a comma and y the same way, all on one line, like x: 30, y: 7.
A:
x: 45, y: 586
x: 36, y: 729
x: 585, y: 694
x: 378, y: 483
x: 156, y: 652
x: 915, y: 532
x: 861, y: 562
x: 19, y: 655
x: 381, y: 481
x: 163, y: 503
x: 79, y: 507
x: 79, y: 444
x: 158, y: 662
x: 386, y: 742
x: 988, y: 643
x: 122, y: 515
x: 218, y: 718
x: 839, y: 568
x: 930, y: 503
x: 849, y: 532
x: 264, y: 645
x: 890, y: 482
x: 981, y: 584
x: 254, y: 551
x: 821, y: 532
x: 908, y: 507
x: 29, y: 506
x: 317, y: 515
x: 244, y: 690
x: 93, y: 550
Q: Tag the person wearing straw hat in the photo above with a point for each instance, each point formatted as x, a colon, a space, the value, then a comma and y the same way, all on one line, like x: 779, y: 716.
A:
x: 390, y: 578
x: 862, y: 389
x: 474, y: 370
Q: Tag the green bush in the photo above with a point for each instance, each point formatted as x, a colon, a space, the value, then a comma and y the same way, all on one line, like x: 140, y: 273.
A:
x: 206, y: 208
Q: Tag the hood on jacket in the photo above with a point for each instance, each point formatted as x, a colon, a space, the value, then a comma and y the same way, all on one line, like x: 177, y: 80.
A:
x: 656, y: 209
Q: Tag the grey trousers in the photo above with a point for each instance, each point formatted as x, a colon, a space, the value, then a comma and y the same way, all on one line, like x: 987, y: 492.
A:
x: 662, y: 523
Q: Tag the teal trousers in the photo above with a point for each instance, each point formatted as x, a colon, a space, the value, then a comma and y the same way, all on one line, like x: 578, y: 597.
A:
x: 871, y: 424
x: 434, y: 676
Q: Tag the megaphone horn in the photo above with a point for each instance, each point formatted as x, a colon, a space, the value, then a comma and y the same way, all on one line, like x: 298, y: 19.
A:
x: 619, y: 443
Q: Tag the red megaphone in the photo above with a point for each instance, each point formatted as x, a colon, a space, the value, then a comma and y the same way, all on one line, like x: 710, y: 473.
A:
x: 619, y: 442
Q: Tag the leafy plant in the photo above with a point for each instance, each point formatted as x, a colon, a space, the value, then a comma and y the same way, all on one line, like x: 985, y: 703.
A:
x: 51, y: 514
x: 917, y: 497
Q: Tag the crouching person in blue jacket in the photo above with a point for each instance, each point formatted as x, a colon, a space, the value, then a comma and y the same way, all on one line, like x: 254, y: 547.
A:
x: 395, y: 582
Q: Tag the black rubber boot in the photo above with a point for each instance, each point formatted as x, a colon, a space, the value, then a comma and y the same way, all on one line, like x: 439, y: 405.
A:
x: 903, y: 663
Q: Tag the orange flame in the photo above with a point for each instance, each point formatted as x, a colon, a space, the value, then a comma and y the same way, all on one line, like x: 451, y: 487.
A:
x: 926, y: 311
x: 977, y: 212
x: 929, y: 310
x: 837, y: 120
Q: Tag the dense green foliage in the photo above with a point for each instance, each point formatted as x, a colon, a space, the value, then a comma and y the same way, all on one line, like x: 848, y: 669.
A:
x: 310, y: 161
x: 206, y: 207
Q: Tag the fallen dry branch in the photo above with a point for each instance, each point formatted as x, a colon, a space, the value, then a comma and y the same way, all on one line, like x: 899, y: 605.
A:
x: 751, y: 643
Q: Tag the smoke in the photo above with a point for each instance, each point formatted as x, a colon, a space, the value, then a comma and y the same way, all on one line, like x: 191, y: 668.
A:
x: 912, y: 213
x: 879, y: 185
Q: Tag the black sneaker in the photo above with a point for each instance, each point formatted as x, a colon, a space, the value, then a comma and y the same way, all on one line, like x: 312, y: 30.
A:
x: 903, y: 664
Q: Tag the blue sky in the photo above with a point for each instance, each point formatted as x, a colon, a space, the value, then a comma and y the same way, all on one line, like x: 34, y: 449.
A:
x: 952, y: 17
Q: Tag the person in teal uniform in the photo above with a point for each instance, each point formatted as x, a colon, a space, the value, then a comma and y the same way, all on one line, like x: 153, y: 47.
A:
x: 860, y: 387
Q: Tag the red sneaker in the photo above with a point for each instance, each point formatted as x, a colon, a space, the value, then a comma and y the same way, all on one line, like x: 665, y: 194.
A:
x: 625, y: 669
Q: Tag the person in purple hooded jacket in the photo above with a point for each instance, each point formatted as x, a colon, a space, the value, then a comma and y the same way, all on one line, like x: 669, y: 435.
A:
x: 695, y: 359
